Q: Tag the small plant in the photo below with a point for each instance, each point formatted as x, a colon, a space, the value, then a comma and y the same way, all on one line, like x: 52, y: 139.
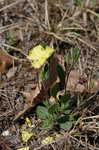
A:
x: 72, y: 56
x: 58, y: 114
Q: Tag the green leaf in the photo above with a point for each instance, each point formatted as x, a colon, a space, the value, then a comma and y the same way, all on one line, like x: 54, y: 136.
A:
x: 61, y: 73
x: 62, y: 118
x: 65, y: 106
x: 67, y: 112
x: 54, y: 90
x: 72, y: 56
x: 76, y: 54
x: 74, y: 116
x: 68, y: 58
x: 66, y: 126
x: 48, y: 124
x: 64, y: 98
x: 44, y: 73
x: 53, y: 108
x: 46, y: 103
x: 68, y: 105
x: 42, y: 112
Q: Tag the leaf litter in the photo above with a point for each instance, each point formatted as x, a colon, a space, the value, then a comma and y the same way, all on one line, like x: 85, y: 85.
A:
x: 20, y: 90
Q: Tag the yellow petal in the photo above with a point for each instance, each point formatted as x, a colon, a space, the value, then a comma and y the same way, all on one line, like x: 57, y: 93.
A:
x: 47, y: 140
x: 26, y: 136
x: 57, y: 135
x: 28, y: 121
x: 39, y: 55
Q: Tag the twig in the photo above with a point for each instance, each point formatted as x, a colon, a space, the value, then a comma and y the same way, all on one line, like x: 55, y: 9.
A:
x: 47, y: 15
x: 71, y: 34
x: 91, y: 117
x: 11, y: 5
x: 9, y: 27
x: 14, y: 48
x: 92, y: 12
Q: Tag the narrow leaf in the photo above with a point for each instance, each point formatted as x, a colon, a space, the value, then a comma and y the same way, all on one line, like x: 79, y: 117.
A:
x: 61, y: 73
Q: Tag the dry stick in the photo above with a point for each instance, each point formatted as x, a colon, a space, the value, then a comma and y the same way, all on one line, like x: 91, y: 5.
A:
x: 31, y: 4
x: 76, y: 14
x: 85, y: 13
x: 58, y: 37
x: 83, y: 144
x: 6, y: 113
x: 13, y: 57
x: 73, y: 28
x: 6, y: 54
x: 63, y: 17
x: 88, y: 44
x: 14, y: 48
x: 8, y: 27
x: 81, y: 40
x: 86, y: 102
x: 91, y: 117
x: 57, y: 141
x: 65, y: 138
x: 85, y: 18
x: 47, y: 15
x: 92, y: 12
x: 11, y: 5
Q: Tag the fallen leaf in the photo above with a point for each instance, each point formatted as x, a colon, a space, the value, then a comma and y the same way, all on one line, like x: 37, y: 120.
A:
x: 5, y: 61
x: 80, y: 88
x: 93, y: 86
x: 73, y: 82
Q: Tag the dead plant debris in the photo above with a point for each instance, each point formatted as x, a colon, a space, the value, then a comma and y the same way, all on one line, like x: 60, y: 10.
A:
x: 65, y: 26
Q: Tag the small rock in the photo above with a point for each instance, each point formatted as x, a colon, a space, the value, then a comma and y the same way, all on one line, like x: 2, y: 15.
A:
x: 11, y: 72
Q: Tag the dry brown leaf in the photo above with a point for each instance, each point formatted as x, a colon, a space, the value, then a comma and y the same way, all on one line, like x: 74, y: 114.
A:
x: 80, y: 88
x: 5, y: 61
x: 73, y: 83
x: 93, y: 86
x: 52, y: 99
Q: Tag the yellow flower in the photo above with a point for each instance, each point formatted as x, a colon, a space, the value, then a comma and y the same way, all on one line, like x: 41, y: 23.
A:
x: 26, y: 135
x: 39, y: 55
x: 47, y: 140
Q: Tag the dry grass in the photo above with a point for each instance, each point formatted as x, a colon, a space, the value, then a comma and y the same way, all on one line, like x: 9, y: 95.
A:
x: 63, y: 25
